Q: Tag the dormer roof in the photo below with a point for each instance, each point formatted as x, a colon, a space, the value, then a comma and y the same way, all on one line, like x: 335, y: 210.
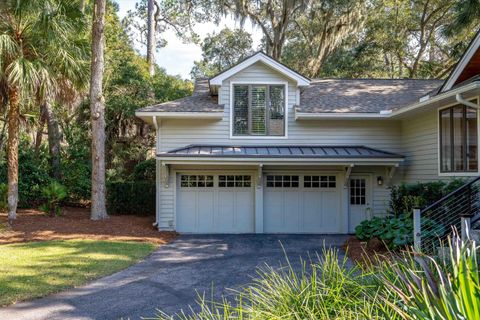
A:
x: 267, y: 60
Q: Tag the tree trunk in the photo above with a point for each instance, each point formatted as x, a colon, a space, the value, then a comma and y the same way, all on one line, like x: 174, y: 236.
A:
x: 53, y: 141
x: 2, y: 133
x: 12, y: 152
x: 151, y: 37
x: 97, y: 108
x: 82, y: 6
x: 41, y: 126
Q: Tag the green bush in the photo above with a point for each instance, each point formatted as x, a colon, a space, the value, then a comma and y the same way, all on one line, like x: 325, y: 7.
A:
x: 132, y: 197
x: 33, y: 175
x: 145, y: 171
x: 3, y: 196
x: 425, y: 288
x: 404, y: 197
x: 396, y: 231
x: 53, y: 194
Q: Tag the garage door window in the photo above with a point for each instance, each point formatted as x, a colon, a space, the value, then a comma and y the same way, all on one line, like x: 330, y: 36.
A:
x: 282, y: 181
x: 357, y: 192
x: 234, y: 181
x: 196, y: 181
x: 319, y: 182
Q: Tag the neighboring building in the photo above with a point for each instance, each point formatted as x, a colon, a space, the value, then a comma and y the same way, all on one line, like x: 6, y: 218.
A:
x: 260, y: 148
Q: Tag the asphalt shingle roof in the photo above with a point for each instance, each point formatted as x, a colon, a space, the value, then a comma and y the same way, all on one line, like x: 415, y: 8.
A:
x: 363, y: 95
x: 199, y: 101
x: 280, y: 151
x: 323, y: 96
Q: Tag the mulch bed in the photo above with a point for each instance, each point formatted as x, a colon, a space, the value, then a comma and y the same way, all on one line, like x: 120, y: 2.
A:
x: 366, y: 253
x: 75, y: 223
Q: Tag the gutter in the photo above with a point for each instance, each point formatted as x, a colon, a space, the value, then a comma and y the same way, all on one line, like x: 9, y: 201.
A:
x: 467, y: 103
x: 454, y: 92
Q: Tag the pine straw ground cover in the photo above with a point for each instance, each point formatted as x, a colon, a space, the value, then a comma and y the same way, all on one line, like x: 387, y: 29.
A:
x: 75, y: 223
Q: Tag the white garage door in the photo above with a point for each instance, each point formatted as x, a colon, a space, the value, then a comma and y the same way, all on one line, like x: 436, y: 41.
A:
x: 302, y: 204
x: 215, y: 204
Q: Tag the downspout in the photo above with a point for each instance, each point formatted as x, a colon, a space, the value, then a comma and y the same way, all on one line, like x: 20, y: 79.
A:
x: 155, y: 224
x: 467, y: 103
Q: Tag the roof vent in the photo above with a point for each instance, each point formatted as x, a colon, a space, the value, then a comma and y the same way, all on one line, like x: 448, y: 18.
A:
x: 424, y: 98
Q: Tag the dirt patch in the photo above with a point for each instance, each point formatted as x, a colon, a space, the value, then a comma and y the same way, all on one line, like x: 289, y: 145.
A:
x: 366, y: 253
x: 75, y: 223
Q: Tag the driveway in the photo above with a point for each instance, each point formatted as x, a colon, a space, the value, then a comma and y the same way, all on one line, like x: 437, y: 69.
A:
x: 170, y: 277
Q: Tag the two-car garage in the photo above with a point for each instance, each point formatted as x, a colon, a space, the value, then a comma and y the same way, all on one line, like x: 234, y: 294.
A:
x: 225, y: 203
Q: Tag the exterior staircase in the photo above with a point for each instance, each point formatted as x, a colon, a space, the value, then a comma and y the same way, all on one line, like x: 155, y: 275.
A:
x: 438, y: 220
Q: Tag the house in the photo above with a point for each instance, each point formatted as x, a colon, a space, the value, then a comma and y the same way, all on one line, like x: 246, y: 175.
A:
x: 260, y: 148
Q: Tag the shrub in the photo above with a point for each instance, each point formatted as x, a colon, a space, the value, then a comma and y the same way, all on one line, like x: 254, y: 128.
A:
x: 396, y: 231
x: 145, y: 170
x: 3, y: 196
x: 136, y: 197
x: 33, y: 175
x: 430, y: 289
x: 53, y: 194
x: 404, y: 197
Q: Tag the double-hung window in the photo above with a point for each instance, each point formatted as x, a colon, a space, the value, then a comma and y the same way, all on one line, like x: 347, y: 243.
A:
x: 258, y: 110
x: 458, y: 139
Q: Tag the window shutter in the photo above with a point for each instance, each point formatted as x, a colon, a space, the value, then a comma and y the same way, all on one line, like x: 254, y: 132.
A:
x: 276, y: 114
x: 240, y: 113
x: 259, y: 110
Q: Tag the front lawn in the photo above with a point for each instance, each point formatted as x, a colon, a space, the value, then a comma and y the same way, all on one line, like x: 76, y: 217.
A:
x: 35, y: 269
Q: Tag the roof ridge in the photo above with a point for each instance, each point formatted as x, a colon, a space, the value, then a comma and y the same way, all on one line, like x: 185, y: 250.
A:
x: 374, y: 79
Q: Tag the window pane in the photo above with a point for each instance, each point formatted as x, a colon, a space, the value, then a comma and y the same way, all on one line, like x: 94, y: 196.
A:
x: 445, y: 132
x: 240, y: 114
x: 472, y: 140
x: 458, y: 134
x: 259, y: 110
x: 276, y: 111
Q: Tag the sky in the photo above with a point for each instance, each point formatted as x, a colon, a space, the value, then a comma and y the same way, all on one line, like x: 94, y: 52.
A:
x: 178, y: 57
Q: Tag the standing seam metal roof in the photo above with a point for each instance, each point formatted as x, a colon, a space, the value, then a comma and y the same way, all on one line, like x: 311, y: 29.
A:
x: 287, y: 151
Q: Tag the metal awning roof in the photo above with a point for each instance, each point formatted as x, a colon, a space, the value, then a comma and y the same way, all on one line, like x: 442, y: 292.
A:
x: 280, y: 151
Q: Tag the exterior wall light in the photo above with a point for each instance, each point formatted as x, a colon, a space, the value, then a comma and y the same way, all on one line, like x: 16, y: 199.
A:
x: 380, y: 180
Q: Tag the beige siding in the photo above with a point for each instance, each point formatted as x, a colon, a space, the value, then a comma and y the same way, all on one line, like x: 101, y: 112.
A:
x: 385, y: 135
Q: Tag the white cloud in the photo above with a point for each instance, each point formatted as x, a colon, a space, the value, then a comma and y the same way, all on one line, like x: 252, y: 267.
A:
x: 178, y: 57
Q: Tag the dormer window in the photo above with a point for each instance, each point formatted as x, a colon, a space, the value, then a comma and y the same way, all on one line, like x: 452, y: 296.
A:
x: 258, y: 110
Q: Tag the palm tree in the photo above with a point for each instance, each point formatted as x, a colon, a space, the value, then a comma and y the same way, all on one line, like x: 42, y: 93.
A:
x: 42, y: 54
x: 466, y: 15
x: 97, y: 109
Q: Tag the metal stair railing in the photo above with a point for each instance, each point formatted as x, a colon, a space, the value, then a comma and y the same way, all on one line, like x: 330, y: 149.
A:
x: 438, y: 220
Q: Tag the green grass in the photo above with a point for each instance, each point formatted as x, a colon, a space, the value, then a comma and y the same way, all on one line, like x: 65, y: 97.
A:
x: 35, y: 269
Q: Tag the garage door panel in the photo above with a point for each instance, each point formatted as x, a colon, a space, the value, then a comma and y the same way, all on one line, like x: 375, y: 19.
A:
x: 312, y: 212
x: 205, y: 211
x: 187, y: 202
x: 331, y: 210
x: 244, y: 208
x: 310, y: 206
x: 274, y: 211
x: 211, y: 205
x: 225, y: 210
x: 292, y: 203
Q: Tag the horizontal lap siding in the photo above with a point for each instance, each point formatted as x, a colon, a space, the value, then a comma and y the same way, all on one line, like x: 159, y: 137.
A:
x: 420, y: 142
x: 379, y: 134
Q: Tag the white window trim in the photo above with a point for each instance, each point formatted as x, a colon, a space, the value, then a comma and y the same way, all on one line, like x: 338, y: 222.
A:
x: 285, y: 136
x: 439, y: 160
